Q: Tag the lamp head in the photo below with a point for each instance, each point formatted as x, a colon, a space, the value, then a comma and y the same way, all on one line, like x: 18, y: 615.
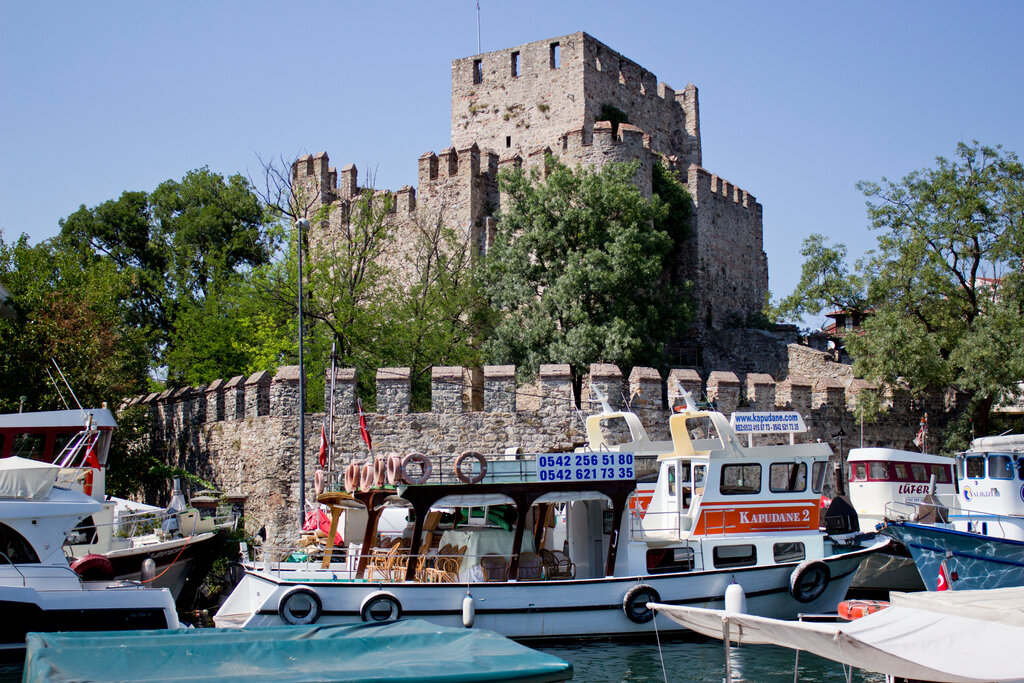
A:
x: 302, y: 224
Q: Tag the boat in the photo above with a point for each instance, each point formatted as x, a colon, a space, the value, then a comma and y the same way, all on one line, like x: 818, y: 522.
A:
x: 975, y: 538
x: 955, y: 637
x: 38, y: 589
x: 407, y: 650
x: 879, y: 479
x: 176, y: 539
x: 556, y: 552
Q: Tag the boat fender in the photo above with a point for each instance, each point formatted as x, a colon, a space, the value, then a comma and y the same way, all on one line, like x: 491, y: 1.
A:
x: 94, y: 567
x: 855, y: 609
x: 424, y: 462
x: 735, y: 598
x: 394, y: 469
x: 147, y: 571
x: 380, y: 606
x: 366, y: 480
x: 380, y: 471
x: 300, y: 605
x: 352, y: 477
x: 468, y: 610
x: 809, y: 580
x: 634, y: 604
x: 465, y: 478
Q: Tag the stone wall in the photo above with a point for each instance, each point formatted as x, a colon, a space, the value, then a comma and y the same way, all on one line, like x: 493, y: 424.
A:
x: 255, y: 451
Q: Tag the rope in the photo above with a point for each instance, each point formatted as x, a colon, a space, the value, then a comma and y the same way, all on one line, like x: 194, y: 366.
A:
x: 187, y: 541
x: 661, y: 656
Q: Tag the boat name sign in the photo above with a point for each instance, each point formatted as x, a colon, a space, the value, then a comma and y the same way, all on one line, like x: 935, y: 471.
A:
x: 585, y: 466
x: 767, y: 423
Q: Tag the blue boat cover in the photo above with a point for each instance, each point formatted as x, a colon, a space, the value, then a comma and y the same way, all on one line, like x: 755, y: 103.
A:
x: 405, y: 650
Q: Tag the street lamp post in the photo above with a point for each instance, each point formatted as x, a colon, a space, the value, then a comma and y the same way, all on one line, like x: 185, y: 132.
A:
x: 301, y: 224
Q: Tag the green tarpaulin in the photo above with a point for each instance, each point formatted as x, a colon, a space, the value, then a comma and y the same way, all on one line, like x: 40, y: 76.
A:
x: 407, y: 650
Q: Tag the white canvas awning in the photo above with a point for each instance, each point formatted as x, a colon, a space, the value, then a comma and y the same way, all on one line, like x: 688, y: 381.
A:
x: 950, y: 636
x: 24, y: 478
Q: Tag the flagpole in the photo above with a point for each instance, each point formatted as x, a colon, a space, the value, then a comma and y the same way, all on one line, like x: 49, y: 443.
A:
x: 330, y: 438
x: 300, y: 225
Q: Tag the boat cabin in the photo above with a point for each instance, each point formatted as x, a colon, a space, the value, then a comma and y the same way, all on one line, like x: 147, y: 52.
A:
x: 991, y: 483
x: 887, y: 477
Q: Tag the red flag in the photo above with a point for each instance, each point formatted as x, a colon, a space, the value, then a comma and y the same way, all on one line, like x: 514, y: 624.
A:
x: 943, y: 578
x: 362, y: 425
x: 90, y: 458
x: 323, y: 447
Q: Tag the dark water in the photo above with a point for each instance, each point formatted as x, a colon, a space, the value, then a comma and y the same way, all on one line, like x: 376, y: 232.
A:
x: 689, y: 659
x: 696, y: 659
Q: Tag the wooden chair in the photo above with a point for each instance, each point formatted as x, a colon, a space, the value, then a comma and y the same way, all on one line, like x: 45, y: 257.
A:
x: 379, y: 558
x: 449, y: 566
x: 557, y: 564
x: 495, y: 567
x: 530, y: 567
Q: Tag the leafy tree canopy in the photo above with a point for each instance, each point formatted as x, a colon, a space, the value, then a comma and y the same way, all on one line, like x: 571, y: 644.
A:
x: 578, y: 271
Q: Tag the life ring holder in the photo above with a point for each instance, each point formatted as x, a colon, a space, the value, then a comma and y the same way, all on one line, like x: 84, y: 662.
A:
x: 465, y: 478
x: 394, y: 469
x: 634, y: 603
x: 809, y: 580
x: 380, y: 471
x: 374, y: 602
x: 300, y: 605
x: 366, y: 477
x: 351, y: 477
x: 425, y: 464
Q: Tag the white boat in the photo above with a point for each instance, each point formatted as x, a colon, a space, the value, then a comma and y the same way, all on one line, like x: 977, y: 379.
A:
x: 976, y: 534
x: 954, y: 637
x: 38, y: 589
x: 78, y: 441
x: 879, y: 479
x: 721, y: 513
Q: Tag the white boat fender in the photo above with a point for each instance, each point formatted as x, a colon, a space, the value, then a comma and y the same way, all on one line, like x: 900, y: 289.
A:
x: 468, y: 610
x: 380, y: 606
x: 147, y: 571
x: 735, y: 598
x: 634, y: 603
x: 300, y: 605
x: 809, y: 580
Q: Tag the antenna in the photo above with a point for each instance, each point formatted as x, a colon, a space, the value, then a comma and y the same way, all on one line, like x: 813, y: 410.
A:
x: 67, y: 385
x: 57, y: 387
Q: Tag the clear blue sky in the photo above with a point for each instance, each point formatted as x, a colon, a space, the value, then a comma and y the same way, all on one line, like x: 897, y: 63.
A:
x: 799, y: 101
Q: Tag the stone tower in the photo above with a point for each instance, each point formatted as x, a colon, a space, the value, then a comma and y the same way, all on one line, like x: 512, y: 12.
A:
x: 512, y: 106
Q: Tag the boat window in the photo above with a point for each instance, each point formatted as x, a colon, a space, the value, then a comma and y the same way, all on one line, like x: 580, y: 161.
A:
x: 698, y: 476
x: 787, y: 476
x: 734, y: 555
x: 942, y: 475
x: 976, y: 467
x: 668, y: 560
x: 672, y: 480
x: 818, y: 476
x: 1020, y: 468
x: 14, y: 549
x: 900, y: 472
x: 31, y: 446
x: 1000, y: 467
x: 788, y: 552
x: 960, y: 468
x: 859, y: 472
x: 919, y: 472
x: 878, y: 471
x: 740, y: 479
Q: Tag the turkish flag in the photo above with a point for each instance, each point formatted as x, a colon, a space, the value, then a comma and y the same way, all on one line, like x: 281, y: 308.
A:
x: 943, y: 578
x: 362, y: 425
x: 323, y: 447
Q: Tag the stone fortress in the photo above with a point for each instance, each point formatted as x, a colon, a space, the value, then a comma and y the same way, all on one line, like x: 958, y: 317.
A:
x: 512, y: 107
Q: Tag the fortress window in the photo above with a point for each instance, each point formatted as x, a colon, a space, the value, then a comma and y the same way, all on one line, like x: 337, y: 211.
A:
x: 556, y: 57
x: 515, y: 65
x: 508, y: 140
x: 478, y: 71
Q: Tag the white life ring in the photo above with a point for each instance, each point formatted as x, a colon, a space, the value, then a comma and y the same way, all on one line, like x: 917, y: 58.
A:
x: 394, y: 469
x: 380, y: 606
x: 366, y: 479
x: 809, y: 580
x: 424, y: 462
x: 380, y: 470
x: 465, y: 478
x: 634, y: 603
x: 352, y: 477
x: 300, y: 605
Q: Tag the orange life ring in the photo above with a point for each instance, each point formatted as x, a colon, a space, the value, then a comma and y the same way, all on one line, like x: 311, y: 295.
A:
x: 380, y: 471
x: 394, y: 469
x: 366, y: 480
x: 351, y: 477
x: 87, y: 484
x: 424, y: 462
x: 476, y: 478
x: 855, y: 609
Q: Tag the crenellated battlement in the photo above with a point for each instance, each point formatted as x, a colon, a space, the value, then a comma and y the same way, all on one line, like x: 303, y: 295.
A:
x: 704, y: 186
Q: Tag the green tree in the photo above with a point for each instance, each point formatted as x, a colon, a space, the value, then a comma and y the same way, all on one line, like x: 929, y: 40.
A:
x: 579, y: 271
x: 825, y: 283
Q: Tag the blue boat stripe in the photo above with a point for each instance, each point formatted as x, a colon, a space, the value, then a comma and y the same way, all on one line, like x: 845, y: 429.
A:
x: 957, y: 553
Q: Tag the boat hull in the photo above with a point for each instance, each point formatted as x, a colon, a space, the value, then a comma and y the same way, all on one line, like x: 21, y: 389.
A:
x: 979, y: 562
x: 536, y: 610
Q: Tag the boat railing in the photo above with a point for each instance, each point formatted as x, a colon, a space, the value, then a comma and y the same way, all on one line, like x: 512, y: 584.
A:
x: 9, y: 561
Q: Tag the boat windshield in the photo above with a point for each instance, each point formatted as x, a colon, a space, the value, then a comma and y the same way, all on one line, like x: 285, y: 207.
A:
x: 1000, y: 467
x: 976, y: 467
